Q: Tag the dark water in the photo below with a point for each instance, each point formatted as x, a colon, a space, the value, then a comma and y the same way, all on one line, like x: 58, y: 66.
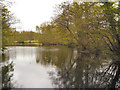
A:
x: 56, y: 67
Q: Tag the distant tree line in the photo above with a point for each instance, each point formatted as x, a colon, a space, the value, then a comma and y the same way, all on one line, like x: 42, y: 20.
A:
x: 25, y: 36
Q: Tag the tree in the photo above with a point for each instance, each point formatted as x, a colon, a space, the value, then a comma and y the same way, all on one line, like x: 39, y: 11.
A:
x: 6, y: 22
x: 81, y: 21
x: 110, y: 27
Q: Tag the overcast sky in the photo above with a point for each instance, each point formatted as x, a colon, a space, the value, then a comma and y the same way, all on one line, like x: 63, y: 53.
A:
x: 33, y: 12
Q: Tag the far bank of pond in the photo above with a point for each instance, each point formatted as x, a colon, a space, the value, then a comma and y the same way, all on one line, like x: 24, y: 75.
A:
x: 41, y: 44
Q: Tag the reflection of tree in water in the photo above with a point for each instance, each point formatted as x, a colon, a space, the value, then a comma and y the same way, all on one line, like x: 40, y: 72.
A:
x: 53, y: 56
x: 83, y: 70
x: 7, y: 69
x: 6, y: 75
x: 111, y: 75
x: 87, y: 71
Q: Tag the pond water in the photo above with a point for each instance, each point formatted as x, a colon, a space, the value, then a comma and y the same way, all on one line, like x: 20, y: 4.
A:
x: 52, y: 67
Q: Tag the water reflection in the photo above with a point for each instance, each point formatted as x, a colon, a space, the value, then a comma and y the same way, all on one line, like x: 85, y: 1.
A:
x: 7, y: 69
x: 111, y: 75
x: 58, y: 67
x: 88, y: 71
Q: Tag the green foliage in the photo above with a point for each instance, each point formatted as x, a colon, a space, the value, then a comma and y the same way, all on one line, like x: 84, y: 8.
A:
x: 24, y: 36
x: 91, y: 26
x: 5, y: 24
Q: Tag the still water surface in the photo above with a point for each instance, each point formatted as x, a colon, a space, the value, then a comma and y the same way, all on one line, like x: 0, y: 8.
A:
x: 52, y: 67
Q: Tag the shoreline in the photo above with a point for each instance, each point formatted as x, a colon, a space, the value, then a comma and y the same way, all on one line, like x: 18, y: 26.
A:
x: 38, y: 45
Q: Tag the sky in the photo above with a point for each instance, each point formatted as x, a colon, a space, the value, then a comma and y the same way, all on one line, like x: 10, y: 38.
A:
x: 33, y: 12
